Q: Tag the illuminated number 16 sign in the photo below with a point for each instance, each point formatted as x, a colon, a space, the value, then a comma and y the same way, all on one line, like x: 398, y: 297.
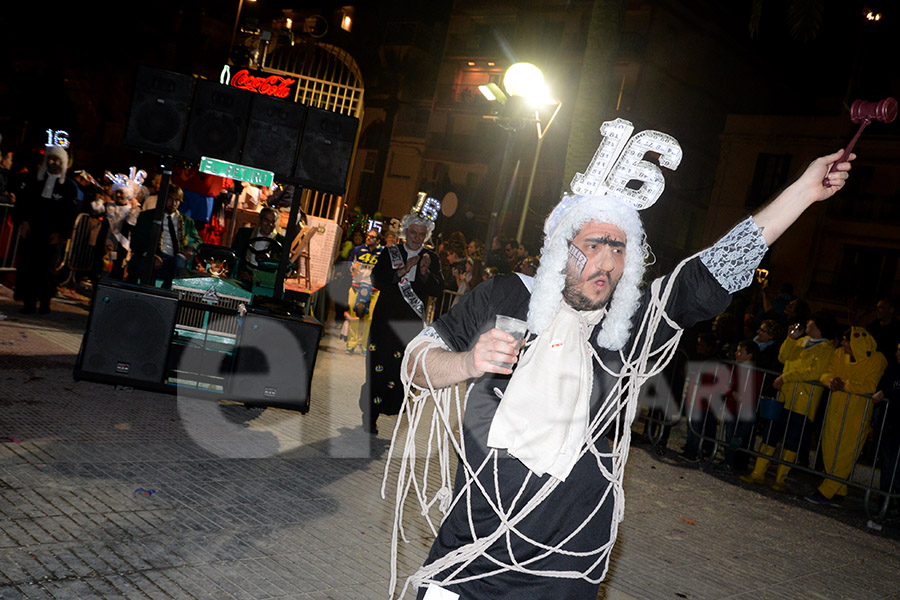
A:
x: 58, y: 138
x: 620, y: 160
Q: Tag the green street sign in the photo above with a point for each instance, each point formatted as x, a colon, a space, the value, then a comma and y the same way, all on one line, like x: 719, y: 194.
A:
x: 212, y: 166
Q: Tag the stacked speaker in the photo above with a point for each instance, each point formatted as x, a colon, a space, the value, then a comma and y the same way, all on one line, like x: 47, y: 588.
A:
x: 175, y: 115
x: 128, y: 341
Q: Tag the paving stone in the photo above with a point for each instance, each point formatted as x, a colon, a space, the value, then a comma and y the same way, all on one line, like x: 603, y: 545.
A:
x: 309, y: 523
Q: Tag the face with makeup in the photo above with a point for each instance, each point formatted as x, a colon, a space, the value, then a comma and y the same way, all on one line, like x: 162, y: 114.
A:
x: 595, y: 266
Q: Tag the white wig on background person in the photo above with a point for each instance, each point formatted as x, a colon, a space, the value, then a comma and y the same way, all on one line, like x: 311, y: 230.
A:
x: 61, y: 154
x: 560, y: 228
x: 127, y: 189
x: 417, y: 219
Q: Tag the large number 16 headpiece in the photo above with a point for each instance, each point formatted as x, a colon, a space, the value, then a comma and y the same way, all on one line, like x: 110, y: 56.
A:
x: 620, y: 160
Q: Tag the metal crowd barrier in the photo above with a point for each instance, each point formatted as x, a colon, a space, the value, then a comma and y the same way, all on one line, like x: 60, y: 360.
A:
x: 79, y: 255
x: 713, y: 419
x: 438, y: 306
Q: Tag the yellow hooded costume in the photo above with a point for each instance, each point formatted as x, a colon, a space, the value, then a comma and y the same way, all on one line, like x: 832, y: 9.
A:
x: 848, y: 415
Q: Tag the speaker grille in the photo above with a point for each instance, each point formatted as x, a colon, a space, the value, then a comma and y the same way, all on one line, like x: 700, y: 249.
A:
x: 159, y: 107
x: 217, y: 122
x: 129, y: 332
x: 325, y: 152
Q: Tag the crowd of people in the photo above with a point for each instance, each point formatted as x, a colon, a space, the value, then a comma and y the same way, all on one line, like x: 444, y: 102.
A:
x: 789, y: 381
x: 377, y: 317
x: 827, y: 384
x: 109, y: 221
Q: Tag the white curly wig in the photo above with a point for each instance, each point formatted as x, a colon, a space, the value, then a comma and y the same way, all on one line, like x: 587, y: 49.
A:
x: 59, y: 152
x: 560, y: 229
x: 417, y: 219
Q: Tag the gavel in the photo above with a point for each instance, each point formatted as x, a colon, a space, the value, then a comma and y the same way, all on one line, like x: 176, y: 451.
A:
x: 863, y: 112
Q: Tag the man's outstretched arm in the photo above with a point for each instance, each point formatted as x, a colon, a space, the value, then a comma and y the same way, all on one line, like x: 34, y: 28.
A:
x: 446, y: 367
x: 774, y: 218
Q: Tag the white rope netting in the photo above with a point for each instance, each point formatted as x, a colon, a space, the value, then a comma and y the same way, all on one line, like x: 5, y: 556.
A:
x: 646, y: 358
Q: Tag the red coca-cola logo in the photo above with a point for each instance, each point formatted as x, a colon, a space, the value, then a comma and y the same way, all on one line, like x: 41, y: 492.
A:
x: 269, y: 85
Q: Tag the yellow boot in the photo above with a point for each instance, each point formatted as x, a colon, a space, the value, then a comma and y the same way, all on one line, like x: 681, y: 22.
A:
x: 758, y: 476
x: 780, y: 484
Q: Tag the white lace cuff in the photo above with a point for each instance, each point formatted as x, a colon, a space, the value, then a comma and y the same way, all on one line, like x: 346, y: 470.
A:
x: 734, y: 258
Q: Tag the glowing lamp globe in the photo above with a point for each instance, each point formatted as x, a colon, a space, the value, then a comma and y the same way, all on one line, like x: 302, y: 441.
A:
x: 523, y: 79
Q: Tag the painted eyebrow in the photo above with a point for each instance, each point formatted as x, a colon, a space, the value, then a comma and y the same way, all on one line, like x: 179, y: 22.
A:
x: 606, y: 240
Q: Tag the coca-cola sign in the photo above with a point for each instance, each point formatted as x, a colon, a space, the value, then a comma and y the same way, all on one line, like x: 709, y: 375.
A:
x: 263, y: 83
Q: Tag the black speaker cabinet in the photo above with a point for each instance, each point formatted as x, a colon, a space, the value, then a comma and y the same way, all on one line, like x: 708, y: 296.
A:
x: 273, y: 134
x: 128, y: 334
x: 274, y: 361
x: 325, y: 151
x: 159, y: 109
x: 217, y: 121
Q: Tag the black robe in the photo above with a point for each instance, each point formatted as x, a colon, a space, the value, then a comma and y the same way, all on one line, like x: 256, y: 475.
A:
x: 37, y: 256
x: 394, y: 325
x: 696, y: 296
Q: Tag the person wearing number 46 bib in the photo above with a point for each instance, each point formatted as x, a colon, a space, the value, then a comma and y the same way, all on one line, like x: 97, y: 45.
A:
x: 405, y: 275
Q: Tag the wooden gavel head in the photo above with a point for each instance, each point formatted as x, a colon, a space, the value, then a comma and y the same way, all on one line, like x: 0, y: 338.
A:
x: 866, y: 112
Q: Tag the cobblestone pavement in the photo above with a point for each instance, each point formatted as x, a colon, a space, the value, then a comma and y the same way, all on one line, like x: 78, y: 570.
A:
x: 115, y: 493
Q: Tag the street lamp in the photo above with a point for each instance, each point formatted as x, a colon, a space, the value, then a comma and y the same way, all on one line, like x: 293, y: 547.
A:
x: 526, y: 94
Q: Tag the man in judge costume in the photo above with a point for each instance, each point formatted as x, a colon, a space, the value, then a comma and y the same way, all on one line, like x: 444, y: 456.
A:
x: 538, y: 495
x: 405, y: 276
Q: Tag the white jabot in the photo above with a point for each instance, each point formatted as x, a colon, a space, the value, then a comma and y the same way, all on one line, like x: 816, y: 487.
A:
x: 542, y: 420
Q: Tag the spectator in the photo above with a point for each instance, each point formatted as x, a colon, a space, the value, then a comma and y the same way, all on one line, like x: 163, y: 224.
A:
x: 805, y: 358
x: 740, y: 407
x: 796, y: 312
x: 6, y: 160
x: 250, y: 243
x: 362, y: 295
x: 528, y: 266
x: 339, y: 286
x: 453, y: 257
x: 725, y: 328
x: 702, y: 392
x: 511, y: 250
x: 121, y: 217
x: 45, y: 212
x: 172, y: 251
x: 769, y: 337
x: 854, y: 372
x: 887, y: 428
x: 885, y: 328
x: 496, y: 257
x: 475, y: 249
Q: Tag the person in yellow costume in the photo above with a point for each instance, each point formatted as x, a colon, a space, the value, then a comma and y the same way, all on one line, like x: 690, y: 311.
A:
x: 806, y: 354
x: 852, y: 376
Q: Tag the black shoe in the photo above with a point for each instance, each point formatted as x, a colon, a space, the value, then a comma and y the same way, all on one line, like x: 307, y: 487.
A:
x: 690, y: 456
x: 819, y: 499
x: 44, y: 309
x: 28, y: 309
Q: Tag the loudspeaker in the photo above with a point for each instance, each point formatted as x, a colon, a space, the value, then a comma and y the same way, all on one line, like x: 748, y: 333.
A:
x: 128, y: 333
x: 273, y: 134
x: 159, y: 107
x: 217, y: 122
x: 325, y: 151
x: 274, y: 361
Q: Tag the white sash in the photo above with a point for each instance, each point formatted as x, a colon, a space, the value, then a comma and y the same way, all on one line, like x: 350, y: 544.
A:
x: 409, y: 295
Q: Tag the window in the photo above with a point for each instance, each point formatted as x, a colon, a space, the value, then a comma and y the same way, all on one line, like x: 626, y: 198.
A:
x: 770, y: 174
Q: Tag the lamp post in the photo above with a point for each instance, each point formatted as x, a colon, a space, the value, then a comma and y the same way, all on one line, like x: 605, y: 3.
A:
x: 525, y: 94
x: 541, y: 131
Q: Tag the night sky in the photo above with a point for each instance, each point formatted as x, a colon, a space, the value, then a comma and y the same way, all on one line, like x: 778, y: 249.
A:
x: 71, y: 67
